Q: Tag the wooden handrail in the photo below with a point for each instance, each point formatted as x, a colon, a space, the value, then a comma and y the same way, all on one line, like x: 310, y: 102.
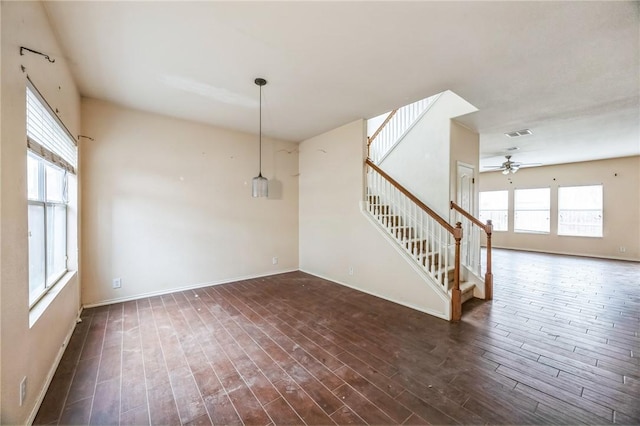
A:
x: 413, y: 198
x: 466, y: 214
x: 488, y: 229
x: 384, y: 123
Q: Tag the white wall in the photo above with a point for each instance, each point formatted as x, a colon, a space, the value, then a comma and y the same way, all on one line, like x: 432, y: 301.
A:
x: 167, y: 204
x: 335, y: 235
x: 28, y: 351
x: 620, y: 178
x: 421, y: 161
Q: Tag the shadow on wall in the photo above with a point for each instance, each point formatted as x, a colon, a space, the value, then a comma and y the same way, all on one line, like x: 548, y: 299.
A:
x: 275, y: 189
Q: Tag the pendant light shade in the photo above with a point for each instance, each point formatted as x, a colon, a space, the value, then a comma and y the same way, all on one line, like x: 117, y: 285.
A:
x: 260, y: 184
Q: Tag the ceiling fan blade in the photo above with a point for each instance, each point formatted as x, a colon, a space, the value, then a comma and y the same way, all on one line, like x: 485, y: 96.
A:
x: 529, y: 164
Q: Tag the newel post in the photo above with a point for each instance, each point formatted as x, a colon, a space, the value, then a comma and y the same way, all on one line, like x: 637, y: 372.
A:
x: 456, y: 294
x: 488, y: 276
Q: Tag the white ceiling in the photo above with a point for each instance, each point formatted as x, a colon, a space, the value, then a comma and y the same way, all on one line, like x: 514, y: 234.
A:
x: 567, y: 70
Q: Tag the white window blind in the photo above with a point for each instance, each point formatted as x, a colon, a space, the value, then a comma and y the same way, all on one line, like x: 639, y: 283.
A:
x: 46, y: 135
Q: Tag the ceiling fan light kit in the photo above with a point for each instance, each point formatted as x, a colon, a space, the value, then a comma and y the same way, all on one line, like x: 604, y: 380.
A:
x: 511, y: 166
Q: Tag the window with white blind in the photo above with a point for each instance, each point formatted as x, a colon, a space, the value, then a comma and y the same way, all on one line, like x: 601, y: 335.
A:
x: 51, y: 157
x: 580, y: 211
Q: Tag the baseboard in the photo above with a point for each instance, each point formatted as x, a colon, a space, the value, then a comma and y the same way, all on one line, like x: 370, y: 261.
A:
x: 593, y: 256
x: 52, y: 371
x: 188, y: 287
x: 440, y: 315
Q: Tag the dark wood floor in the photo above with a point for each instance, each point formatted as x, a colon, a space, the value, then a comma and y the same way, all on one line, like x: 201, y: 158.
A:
x: 559, y: 344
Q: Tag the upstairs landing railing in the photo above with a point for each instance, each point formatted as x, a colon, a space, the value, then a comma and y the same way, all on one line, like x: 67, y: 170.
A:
x: 397, y: 123
x: 488, y: 229
x: 426, y: 236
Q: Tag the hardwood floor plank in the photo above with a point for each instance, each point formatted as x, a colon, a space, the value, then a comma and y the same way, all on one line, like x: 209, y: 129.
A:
x: 360, y: 405
x: 135, y: 416
x: 282, y: 413
x: 381, y: 400
x: 106, y: 403
x: 221, y: 410
x: 305, y: 407
x: 575, y: 406
x: 424, y: 410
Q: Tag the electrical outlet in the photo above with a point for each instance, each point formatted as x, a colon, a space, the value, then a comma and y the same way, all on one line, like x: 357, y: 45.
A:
x: 274, y: 260
x: 623, y: 249
x: 350, y: 270
x: 117, y: 282
x: 23, y: 390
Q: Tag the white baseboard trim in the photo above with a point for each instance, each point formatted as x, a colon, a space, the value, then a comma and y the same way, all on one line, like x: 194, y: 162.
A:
x: 444, y: 316
x: 187, y: 287
x: 566, y: 253
x: 52, y: 370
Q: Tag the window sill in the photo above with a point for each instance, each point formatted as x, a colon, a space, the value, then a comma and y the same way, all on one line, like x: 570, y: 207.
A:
x: 42, y: 305
x: 581, y: 236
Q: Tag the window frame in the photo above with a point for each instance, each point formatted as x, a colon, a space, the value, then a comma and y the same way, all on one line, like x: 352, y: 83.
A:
x: 516, y: 210
x: 601, y: 210
x: 49, y: 282
x: 54, y: 149
x: 505, y: 210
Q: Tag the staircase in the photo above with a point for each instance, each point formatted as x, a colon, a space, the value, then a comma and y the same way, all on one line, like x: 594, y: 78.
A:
x: 432, y: 244
x: 426, y: 239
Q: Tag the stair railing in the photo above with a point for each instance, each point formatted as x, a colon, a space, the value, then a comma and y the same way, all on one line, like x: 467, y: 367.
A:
x: 397, y: 123
x: 488, y: 229
x: 422, y: 232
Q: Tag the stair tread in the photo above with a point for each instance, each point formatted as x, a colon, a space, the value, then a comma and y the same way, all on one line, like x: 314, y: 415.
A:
x: 466, y: 286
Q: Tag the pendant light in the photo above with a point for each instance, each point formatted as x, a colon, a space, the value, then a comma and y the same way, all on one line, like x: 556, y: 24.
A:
x: 260, y: 184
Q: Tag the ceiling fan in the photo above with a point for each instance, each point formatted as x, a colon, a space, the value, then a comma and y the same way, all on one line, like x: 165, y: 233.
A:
x: 511, y: 166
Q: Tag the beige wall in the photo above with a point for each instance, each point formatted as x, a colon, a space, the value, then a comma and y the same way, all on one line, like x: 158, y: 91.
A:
x: 334, y: 233
x: 167, y: 204
x: 464, y: 148
x: 621, y: 187
x: 29, y: 351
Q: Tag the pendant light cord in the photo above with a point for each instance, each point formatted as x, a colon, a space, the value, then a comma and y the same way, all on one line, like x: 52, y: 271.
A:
x: 260, y: 134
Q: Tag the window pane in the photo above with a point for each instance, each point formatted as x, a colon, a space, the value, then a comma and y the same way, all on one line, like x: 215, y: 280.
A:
x: 54, y: 178
x: 33, y: 179
x: 36, y: 251
x: 56, y: 242
x: 531, y: 208
x: 494, y: 206
x: 580, y: 211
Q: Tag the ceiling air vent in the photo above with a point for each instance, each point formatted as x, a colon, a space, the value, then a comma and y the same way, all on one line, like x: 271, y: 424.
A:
x: 517, y: 133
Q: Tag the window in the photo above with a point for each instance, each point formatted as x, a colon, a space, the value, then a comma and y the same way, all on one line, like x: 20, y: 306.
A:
x: 494, y: 206
x: 51, y: 157
x: 47, y: 216
x: 531, y: 207
x: 580, y: 211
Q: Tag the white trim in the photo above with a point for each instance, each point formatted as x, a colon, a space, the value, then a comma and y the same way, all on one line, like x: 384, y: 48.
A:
x: 41, y: 306
x: 445, y: 316
x: 565, y: 253
x: 52, y: 371
x: 411, y: 126
x: 187, y: 287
